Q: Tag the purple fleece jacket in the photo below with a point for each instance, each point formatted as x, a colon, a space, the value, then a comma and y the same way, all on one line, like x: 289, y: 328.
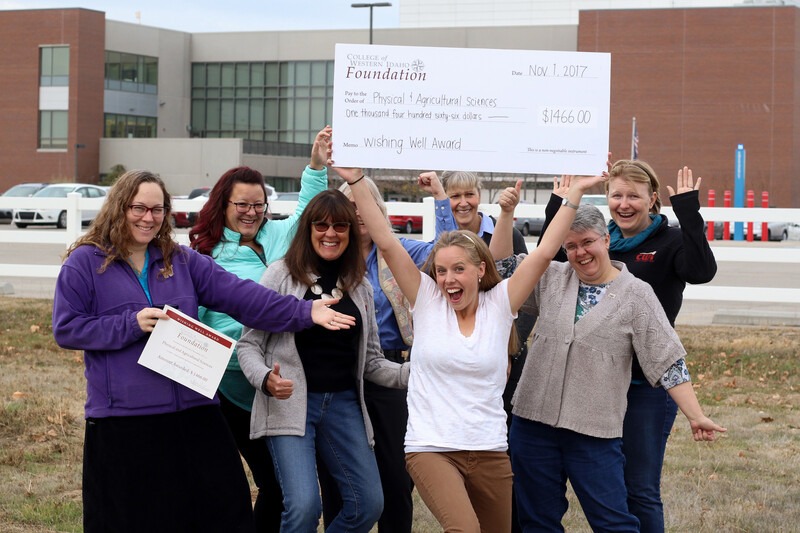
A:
x: 97, y: 313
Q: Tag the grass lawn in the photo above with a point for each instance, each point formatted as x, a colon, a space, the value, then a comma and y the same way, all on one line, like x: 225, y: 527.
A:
x: 745, y: 377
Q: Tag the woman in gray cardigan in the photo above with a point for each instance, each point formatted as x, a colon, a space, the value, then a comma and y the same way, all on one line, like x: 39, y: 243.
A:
x: 310, y: 386
x: 594, y: 318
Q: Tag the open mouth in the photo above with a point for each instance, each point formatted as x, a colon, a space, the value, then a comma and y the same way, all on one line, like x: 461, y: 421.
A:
x: 455, y: 295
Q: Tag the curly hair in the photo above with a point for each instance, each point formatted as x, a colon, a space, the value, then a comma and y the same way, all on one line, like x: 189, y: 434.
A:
x: 477, y: 252
x: 208, y: 230
x: 637, y: 171
x: 301, y: 259
x: 110, y: 231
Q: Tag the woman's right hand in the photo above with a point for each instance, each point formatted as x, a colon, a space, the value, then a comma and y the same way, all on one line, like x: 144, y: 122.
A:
x: 148, y: 317
x: 561, y: 185
x: 277, y: 386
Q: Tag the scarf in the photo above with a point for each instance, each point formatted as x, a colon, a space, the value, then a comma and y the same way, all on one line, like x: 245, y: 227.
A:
x: 621, y: 244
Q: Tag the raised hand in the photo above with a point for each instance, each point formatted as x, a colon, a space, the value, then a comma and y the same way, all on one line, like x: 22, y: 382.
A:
x: 561, y: 185
x: 320, y: 151
x: 277, y: 386
x: 509, y: 197
x: 430, y: 183
x: 348, y: 174
x: 685, y: 182
x: 326, y: 317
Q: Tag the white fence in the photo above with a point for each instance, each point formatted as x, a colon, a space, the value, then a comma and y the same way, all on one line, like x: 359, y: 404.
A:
x: 741, y: 252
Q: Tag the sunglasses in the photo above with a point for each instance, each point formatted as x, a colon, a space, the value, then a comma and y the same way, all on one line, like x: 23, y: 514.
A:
x: 338, y: 227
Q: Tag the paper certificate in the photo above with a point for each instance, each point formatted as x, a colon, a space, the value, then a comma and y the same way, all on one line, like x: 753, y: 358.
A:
x: 472, y: 109
x: 188, y: 352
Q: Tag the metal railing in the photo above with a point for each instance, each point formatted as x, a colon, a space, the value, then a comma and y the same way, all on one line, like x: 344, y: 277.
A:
x: 74, y: 203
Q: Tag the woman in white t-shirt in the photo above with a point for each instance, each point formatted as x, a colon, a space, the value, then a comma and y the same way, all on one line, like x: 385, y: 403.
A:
x: 463, y: 314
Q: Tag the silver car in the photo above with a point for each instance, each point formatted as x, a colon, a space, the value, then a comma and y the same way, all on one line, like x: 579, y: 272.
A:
x: 57, y: 217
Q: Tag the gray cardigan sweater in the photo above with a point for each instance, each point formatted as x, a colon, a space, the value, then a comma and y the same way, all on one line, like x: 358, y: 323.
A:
x: 578, y: 373
x: 258, y: 350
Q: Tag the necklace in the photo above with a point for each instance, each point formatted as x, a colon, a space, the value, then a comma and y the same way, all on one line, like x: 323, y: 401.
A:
x: 337, y: 292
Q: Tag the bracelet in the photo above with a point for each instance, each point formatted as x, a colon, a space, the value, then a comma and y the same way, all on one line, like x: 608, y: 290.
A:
x: 359, y: 179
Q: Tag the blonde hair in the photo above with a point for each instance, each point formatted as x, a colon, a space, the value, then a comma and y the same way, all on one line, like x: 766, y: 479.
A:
x: 637, y: 171
x: 374, y: 191
x: 477, y: 252
x: 459, y: 179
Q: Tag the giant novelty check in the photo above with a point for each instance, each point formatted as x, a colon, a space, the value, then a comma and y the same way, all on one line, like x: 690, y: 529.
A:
x: 471, y: 109
x: 187, y: 351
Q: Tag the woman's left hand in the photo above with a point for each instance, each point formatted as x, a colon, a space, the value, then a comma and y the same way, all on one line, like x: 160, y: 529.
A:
x: 326, y: 317
x: 704, y: 428
x: 685, y: 182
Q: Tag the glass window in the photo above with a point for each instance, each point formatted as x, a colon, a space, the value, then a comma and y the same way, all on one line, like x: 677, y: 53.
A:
x: 214, y: 75
x: 302, y: 74
x: 54, y: 66
x: 228, y: 75
x: 198, y: 75
x: 226, y: 115
x: 242, y: 114
x: 53, y: 129
x: 242, y: 74
x: 318, y: 73
x: 257, y: 77
x: 273, y: 74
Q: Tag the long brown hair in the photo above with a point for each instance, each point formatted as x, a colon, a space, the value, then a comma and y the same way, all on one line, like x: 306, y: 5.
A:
x: 301, y: 259
x: 208, y: 230
x: 110, y: 233
x: 477, y: 253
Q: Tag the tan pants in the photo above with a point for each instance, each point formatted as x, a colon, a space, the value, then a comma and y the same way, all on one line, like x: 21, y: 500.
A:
x: 467, y: 491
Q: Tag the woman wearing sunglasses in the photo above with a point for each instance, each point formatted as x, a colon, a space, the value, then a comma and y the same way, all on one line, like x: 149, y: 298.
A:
x: 233, y: 228
x: 309, y: 402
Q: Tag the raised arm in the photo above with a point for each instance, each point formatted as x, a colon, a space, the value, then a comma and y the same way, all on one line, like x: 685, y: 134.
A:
x: 527, y: 275
x: 403, y: 268
x: 695, y: 263
x: 502, y: 244
x: 429, y: 182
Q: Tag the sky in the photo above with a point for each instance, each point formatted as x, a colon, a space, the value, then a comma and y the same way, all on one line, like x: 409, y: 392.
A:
x: 197, y: 16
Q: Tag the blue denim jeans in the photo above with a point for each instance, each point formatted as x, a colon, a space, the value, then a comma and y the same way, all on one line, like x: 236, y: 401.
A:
x: 648, y: 423
x: 335, y: 430
x: 544, y: 457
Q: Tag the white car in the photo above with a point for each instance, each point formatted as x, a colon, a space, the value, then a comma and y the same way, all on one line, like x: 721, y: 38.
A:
x: 57, y: 217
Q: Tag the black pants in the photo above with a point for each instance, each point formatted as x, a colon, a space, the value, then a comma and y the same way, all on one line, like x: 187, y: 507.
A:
x: 269, y: 502
x: 171, y: 473
x: 388, y: 412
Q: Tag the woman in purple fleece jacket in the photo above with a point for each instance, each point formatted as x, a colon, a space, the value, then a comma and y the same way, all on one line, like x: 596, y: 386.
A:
x: 157, y: 455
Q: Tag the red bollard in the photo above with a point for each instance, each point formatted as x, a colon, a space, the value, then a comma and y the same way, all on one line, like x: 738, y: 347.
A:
x: 726, y: 226
x: 764, y: 225
x: 751, y: 202
x: 712, y: 199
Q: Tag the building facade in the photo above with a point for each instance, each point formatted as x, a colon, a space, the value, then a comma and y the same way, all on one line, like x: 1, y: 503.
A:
x: 82, y: 94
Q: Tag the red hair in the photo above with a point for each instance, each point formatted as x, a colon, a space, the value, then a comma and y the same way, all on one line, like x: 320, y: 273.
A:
x: 207, y: 231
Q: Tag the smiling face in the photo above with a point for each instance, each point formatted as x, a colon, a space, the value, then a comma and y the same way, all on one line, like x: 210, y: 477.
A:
x: 247, y: 224
x: 329, y: 244
x: 464, y: 204
x: 144, y: 228
x: 629, y: 203
x: 587, y: 252
x: 457, y: 277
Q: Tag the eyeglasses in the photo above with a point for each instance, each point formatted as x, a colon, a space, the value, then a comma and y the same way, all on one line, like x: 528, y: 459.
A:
x: 571, y: 248
x: 338, y: 227
x: 141, y: 210
x: 244, y: 207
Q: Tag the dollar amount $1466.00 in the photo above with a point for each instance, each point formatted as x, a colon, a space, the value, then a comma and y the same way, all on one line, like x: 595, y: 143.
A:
x: 565, y: 116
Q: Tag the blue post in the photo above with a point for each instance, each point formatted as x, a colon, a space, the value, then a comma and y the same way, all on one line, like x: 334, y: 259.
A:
x: 738, y: 190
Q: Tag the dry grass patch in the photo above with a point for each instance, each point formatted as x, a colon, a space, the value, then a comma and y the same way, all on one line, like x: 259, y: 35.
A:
x: 746, y: 377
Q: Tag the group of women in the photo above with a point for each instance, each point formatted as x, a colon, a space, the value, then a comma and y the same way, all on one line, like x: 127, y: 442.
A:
x: 322, y: 359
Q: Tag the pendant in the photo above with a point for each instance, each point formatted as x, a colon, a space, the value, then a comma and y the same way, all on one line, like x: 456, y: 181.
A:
x: 316, y: 289
x: 326, y: 296
x: 337, y: 293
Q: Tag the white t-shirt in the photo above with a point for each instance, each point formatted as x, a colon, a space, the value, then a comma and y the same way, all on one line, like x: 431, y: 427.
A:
x: 455, y: 391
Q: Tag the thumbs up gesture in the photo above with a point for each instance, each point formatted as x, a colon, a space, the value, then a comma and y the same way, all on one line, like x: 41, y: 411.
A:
x: 509, y: 197
x: 277, y: 386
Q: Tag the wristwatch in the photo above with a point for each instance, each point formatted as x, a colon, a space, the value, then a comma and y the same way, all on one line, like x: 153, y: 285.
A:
x: 567, y: 203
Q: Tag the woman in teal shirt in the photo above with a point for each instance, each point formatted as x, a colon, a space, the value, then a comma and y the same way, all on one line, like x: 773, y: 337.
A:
x: 232, y: 228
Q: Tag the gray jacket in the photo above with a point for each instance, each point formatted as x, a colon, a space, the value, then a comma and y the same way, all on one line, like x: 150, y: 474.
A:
x: 578, y: 373
x: 257, y: 350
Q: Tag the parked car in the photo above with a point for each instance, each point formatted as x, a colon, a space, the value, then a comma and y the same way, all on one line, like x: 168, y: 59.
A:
x: 21, y: 190
x: 283, y: 196
x: 185, y: 219
x: 594, y: 199
x: 406, y: 223
x: 58, y: 217
x: 529, y: 226
x: 777, y: 231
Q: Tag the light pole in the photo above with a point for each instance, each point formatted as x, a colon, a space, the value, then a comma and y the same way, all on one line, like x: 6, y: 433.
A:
x: 78, y: 146
x: 370, y: 5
